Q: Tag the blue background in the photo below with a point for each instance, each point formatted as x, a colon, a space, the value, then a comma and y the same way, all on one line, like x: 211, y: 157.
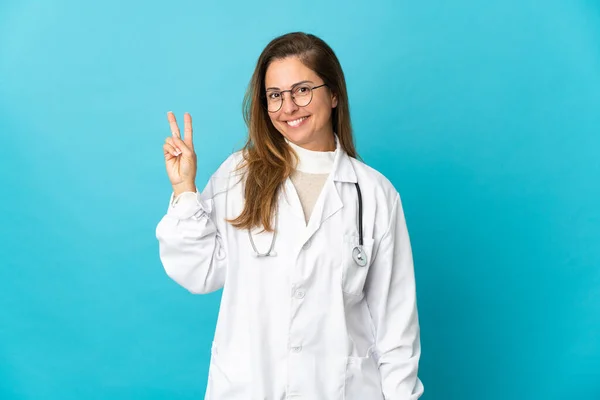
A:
x: 484, y: 114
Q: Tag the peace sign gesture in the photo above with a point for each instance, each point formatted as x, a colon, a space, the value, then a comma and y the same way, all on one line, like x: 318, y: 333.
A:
x: 180, y: 158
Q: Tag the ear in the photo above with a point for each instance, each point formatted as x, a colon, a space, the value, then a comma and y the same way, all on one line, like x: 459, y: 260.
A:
x: 334, y: 101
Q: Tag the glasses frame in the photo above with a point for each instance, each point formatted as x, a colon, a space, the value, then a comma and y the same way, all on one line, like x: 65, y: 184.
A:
x: 281, y: 92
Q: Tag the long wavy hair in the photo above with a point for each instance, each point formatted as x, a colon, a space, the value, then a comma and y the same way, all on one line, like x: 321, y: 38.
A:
x: 267, y: 159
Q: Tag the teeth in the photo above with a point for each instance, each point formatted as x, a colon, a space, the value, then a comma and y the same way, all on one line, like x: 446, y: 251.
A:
x: 296, y: 122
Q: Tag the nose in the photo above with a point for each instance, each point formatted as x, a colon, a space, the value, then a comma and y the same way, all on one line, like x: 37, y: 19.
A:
x: 288, y: 106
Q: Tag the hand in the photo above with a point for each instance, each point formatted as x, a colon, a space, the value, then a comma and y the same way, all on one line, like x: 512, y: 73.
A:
x: 180, y: 158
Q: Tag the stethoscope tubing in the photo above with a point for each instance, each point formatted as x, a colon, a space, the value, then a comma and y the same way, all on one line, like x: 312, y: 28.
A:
x: 357, y: 252
x: 360, y: 210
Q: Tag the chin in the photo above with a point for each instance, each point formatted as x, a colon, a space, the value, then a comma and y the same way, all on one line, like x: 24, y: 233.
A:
x: 300, y: 136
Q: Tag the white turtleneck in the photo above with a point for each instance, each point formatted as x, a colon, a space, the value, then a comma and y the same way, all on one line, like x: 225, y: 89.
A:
x: 310, y: 175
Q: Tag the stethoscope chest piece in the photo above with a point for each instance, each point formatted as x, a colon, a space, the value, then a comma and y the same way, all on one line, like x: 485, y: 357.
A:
x: 359, y: 256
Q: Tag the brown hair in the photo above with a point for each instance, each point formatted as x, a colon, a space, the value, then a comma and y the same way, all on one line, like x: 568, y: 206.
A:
x: 268, y: 160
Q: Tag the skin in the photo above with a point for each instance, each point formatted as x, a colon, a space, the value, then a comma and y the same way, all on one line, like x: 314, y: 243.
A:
x: 180, y: 157
x: 316, y: 133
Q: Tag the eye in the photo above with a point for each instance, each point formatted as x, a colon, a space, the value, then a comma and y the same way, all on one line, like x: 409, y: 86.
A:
x: 301, y: 90
x: 273, y: 95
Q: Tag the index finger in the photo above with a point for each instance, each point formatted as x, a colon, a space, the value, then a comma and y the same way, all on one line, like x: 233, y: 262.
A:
x: 173, y: 124
x: 187, y: 130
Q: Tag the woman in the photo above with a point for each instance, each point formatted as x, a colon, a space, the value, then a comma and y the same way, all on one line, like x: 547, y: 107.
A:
x: 318, y: 294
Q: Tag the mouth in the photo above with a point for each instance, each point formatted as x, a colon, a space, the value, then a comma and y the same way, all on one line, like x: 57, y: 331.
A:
x: 297, y: 122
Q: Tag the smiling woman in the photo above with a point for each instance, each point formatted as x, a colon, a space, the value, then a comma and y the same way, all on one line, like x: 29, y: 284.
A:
x: 309, y: 244
x: 290, y: 65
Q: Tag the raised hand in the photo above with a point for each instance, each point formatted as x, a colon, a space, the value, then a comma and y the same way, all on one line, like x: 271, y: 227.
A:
x: 180, y: 157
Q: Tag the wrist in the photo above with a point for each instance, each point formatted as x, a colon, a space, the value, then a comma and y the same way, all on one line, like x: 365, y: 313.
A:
x: 184, y: 187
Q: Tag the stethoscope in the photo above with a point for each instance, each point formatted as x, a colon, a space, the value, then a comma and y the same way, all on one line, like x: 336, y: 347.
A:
x: 358, y: 254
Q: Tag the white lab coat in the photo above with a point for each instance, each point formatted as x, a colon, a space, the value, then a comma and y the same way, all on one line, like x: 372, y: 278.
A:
x: 307, y: 323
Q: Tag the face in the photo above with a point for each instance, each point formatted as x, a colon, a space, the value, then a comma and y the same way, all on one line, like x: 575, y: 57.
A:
x: 308, y: 126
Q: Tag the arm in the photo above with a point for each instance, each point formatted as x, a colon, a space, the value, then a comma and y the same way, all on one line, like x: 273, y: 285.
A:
x: 191, y: 248
x: 391, y: 298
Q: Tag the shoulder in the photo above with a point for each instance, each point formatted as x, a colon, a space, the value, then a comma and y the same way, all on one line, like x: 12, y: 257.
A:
x: 230, y: 166
x: 228, y: 175
x: 384, y: 195
x: 373, y: 181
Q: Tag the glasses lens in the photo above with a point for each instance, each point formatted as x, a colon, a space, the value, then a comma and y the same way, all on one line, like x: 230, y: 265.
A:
x: 302, y: 95
x: 274, y: 100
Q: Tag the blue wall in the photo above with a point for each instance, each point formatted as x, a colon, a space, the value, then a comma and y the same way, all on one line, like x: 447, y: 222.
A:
x: 485, y: 115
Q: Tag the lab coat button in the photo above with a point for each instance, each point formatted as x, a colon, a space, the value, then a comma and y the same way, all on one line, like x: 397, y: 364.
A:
x: 300, y: 294
x: 297, y: 349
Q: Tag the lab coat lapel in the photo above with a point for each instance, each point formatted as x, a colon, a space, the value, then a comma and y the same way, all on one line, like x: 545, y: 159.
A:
x: 330, y: 200
x: 289, y: 197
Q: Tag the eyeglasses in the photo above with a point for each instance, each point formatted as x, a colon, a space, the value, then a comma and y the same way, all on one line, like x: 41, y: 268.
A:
x: 301, y: 96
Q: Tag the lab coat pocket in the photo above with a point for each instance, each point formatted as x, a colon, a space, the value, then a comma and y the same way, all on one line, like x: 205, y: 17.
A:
x: 226, y: 377
x: 354, y: 275
x: 362, y: 379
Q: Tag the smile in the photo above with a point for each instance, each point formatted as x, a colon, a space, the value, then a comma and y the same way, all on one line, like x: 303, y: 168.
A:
x: 297, y: 122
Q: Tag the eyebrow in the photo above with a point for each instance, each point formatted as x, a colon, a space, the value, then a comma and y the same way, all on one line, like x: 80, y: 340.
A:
x: 295, y: 84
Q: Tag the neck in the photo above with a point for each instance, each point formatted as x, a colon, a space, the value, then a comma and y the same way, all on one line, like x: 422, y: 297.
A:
x: 313, y: 161
x: 328, y: 143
